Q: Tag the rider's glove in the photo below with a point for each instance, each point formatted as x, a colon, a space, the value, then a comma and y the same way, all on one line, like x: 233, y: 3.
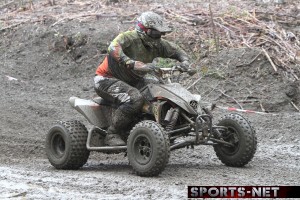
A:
x: 185, y: 65
x: 191, y: 71
x: 140, y: 66
x: 153, y: 67
x: 130, y: 64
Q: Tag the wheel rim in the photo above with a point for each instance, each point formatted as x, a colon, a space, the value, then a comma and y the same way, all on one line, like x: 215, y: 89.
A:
x: 142, y: 149
x: 58, y: 145
x: 232, y: 137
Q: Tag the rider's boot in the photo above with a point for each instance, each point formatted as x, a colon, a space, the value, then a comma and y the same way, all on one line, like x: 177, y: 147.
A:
x: 113, y: 138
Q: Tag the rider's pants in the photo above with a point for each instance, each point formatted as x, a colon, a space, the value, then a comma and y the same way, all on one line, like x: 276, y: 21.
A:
x: 128, y: 99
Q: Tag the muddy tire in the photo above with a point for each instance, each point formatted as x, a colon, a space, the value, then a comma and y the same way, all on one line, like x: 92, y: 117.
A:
x: 242, y: 135
x: 66, y: 145
x: 148, y: 148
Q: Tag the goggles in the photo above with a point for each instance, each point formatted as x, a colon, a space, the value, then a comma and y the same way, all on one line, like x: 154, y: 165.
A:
x: 155, y: 34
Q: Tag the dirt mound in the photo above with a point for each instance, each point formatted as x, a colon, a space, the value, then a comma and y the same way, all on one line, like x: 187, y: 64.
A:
x: 244, y: 78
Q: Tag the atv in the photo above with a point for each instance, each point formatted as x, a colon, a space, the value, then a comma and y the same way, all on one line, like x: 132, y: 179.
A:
x: 171, y: 118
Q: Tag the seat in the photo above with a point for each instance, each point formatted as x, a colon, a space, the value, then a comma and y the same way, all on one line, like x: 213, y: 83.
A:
x: 103, y: 102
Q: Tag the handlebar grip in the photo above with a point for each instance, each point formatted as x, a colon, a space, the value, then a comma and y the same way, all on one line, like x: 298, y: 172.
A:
x: 191, y: 71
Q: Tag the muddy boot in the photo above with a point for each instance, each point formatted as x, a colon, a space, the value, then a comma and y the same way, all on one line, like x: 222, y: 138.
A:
x: 113, y: 139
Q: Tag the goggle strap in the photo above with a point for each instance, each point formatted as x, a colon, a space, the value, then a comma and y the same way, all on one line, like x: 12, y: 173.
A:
x: 142, y: 26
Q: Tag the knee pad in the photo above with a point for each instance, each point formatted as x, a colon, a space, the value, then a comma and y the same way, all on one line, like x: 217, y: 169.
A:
x: 137, y: 99
x: 135, y: 104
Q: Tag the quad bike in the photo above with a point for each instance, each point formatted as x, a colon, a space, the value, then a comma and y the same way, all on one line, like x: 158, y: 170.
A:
x: 171, y: 118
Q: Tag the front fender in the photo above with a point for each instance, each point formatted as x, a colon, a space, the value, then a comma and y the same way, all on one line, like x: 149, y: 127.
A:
x: 175, y: 93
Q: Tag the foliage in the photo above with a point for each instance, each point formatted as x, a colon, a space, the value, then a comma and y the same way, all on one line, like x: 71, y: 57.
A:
x: 164, y: 62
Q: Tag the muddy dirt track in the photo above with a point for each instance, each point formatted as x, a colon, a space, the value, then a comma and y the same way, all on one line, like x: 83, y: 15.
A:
x: 38, y: 74
x: 110, y: 177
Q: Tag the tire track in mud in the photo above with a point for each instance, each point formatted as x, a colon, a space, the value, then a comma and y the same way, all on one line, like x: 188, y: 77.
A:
x: 87, y: 183
x: 111, y: 177
x: 282, y: 155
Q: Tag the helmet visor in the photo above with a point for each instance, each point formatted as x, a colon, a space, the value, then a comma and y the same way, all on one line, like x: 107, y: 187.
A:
x: 162, y: 27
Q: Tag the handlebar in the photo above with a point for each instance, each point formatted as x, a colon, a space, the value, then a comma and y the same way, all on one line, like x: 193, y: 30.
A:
x: 177, y: 71
x: 168, y: 74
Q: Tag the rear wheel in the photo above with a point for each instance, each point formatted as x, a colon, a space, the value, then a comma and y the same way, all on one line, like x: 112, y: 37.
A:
x: 66, y: 145
x: 241, y: 134
x: 148, y: 148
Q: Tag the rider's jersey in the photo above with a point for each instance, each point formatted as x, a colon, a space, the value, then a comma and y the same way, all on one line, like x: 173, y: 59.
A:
x: 134, y: 46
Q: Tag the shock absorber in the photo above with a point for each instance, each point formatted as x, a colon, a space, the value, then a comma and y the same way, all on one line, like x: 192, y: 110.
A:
x: 173, y: 116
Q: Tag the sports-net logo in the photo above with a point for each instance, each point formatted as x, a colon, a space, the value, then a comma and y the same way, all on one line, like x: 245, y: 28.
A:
x: 243, y: 191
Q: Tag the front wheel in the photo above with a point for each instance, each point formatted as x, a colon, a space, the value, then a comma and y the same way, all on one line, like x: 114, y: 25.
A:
x: 66, y: 145
x: 243, y: 137
x: 148, y: 148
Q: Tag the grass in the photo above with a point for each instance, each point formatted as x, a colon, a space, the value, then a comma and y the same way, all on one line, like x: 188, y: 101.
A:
x: 165, y: 62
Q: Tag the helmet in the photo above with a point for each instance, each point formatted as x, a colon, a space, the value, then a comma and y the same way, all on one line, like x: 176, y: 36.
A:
x: 152, y: 21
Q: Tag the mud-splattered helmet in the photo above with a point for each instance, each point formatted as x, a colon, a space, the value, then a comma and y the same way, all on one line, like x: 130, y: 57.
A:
x: 152, y: 24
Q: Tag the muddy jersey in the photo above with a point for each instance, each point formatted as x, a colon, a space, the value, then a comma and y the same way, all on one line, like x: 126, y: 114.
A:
x: 133, y: 46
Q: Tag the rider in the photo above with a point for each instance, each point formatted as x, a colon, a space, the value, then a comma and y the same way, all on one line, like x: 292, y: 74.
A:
x: 120, y: 72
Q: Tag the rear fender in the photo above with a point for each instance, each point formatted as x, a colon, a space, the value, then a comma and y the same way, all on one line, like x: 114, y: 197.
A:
x: 97, y: 115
